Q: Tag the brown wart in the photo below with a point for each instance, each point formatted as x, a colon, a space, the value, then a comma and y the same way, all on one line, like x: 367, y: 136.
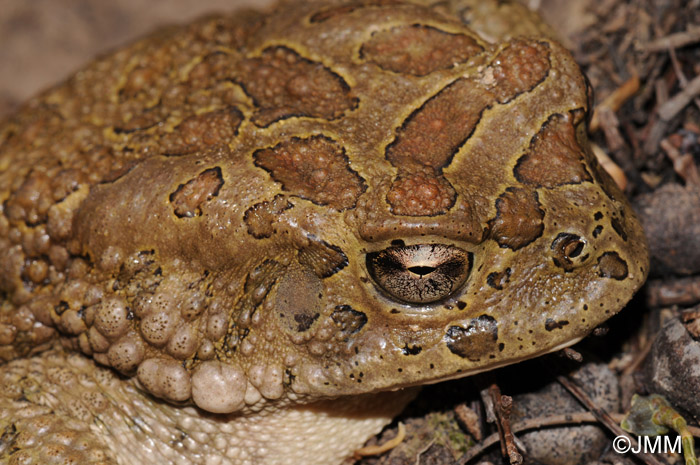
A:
x: 198, y: 132
x: 348, y: 320
x: 555, y: 157
x: 315, y: 168
x: 284, y: 84
x: 418, y: 49
x: 420, y: 194
x: 453, y: 113
x: 188, y: 199
x: 518, y: 220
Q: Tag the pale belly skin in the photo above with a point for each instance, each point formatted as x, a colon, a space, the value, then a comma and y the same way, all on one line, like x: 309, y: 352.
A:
x: 250, y: 239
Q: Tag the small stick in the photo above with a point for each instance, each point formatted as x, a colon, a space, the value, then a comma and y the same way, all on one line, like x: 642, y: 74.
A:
x: 604, y: 417
x: 503, y: 406
x: 672, y: 41
x: 381, y: 448
x: 679, y: 101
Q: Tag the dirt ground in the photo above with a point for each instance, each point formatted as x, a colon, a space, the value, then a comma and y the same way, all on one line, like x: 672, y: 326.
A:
x: 642, y: 57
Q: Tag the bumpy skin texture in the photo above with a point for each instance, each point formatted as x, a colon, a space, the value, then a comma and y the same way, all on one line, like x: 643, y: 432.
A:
x: 257, y: 211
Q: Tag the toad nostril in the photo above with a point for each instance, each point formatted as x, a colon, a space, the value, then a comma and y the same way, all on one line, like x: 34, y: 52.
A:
x: 566, y: 247
x: 573, y: 249
x: 421, y: 270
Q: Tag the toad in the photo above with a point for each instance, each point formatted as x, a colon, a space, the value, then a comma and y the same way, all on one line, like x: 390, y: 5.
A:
x: 247, y: 240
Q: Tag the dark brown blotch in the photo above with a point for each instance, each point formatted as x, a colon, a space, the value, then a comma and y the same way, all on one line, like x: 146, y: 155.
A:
x: 555, y: 157
x: 518, y: 220
x: 619, y: 229
x: 261, y: 217
x: 283, y: 84
x: 305, y: 321
x: 596, y: 231
x: 412, y: 350
x: 316, y: 169
x: 429, y: 138
x: 348, y: 320
x: 433, y: 133
x: 199, y: 132
x: 475, y: 341
x: 550, y: 324
x: 610, y: 265
x: 498, y: 279
x: 418, y: 49
x: 189, y: 197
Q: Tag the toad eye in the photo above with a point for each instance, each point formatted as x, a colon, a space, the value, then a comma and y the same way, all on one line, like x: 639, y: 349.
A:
x: 568, y: 248
x: 420, y: 273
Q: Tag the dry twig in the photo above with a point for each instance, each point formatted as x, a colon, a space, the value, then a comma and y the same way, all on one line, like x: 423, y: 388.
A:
x: 502, y: 408
x: 672, y: 41
x: 604, y: 417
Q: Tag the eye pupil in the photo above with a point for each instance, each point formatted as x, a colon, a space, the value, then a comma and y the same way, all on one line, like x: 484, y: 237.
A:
x: 421, y: 270
x: 419, y: 273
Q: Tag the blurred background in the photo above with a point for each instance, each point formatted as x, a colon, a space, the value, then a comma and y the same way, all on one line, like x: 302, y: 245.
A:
x: 43, y: 41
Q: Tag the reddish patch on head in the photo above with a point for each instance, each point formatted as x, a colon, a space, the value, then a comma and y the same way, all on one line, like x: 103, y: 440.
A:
x: 198, y: 132
x: 188, y: 199
x: 554, y: 158
x: 418, y: 49
x: 420, y: 193
x: 519, y: 68
x: 432, y: 134
x: 283, y: 84
x: 316, y: 169
x: 518, y: 219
